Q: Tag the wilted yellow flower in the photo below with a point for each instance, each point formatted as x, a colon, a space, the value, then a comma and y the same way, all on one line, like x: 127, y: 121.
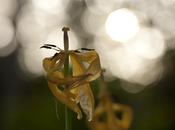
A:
x: 74, y: 89
x: 105, y: 116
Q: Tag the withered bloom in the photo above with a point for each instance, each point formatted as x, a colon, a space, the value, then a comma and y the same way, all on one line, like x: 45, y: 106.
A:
x: 74, y: 90
x: 105, y: 116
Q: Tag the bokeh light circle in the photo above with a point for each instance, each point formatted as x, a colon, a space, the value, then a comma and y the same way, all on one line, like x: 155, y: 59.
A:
x: 122, y: 24
x: 6, y: 31
x: 148, y: 43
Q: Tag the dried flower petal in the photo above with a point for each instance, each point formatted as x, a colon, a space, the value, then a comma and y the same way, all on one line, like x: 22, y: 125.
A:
x: 56, y: 78
x: 78, y: 90
x: 110, y: 121
x: 83, y: 92
x: 93, y: 71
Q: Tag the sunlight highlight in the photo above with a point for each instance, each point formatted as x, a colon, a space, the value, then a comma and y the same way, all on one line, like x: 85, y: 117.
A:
x: 50, y: 6
x: 6, y: 36
x: 127, y: 64
x: 6, y: 31
x: 121, y: 25
x: 135, y: 69
x: 103, y: 6
x: 148, y: 43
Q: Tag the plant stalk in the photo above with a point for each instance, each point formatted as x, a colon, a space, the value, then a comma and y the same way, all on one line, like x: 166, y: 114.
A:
x: 66, y: 73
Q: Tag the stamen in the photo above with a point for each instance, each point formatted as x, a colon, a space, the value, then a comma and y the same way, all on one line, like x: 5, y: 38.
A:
x: 51, y: 46
x: 87, y: 49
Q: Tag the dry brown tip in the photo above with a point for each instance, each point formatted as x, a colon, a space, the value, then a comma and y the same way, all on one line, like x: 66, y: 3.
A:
x: 65, y: 29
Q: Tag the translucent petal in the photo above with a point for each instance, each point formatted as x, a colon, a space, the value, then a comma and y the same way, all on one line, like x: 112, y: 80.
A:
x: 83, y: 92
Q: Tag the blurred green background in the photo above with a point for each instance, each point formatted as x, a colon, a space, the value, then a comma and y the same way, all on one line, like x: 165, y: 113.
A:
x: 135, y: 40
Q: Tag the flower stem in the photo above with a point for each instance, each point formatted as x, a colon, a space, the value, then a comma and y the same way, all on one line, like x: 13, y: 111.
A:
x: 66, y: 73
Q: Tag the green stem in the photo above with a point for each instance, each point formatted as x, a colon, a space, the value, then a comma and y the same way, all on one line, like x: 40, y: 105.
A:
x: 66, y: 73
